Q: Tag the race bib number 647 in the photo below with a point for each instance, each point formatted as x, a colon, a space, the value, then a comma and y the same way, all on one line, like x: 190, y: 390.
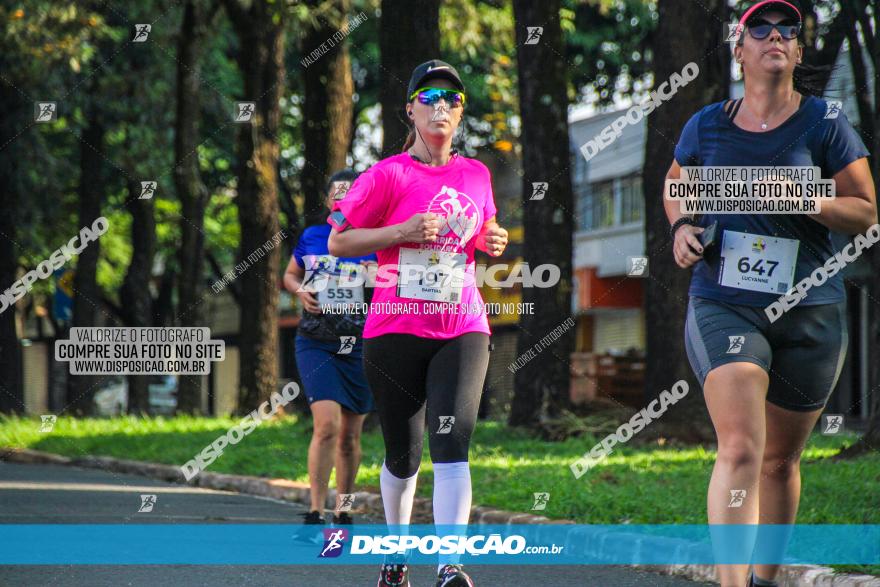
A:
x: 758, y: 263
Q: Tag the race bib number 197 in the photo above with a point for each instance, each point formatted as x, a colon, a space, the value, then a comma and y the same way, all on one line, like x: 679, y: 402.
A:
x: 758, y: 263
x: 431, y: 275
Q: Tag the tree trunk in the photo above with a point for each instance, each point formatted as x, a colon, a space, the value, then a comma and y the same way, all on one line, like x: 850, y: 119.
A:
x: 191, y: 191
x: 86, y: 293
x: 409, y: 34
x: 261, y: 60
x: 666, y: 290
x: 832, y: 40
x: 870, y: 123
x: 541, y: 385
x: 16, y: 111
x: 327, y: 121
x: 135, y: 291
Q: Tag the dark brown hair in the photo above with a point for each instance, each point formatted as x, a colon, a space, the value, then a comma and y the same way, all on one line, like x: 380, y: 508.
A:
x: 410, y: 139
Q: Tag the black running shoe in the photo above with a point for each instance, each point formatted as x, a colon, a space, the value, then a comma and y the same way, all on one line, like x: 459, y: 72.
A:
x: 307, y: 534
x: 394, y: 573
x: 313, y: 517
x: 342, y: 519
x: 453, y: 576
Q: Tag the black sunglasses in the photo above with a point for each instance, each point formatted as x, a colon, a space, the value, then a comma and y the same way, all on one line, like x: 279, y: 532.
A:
x: 761, y: 29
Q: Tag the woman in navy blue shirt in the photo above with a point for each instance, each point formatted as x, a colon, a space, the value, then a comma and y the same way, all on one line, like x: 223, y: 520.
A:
x: 329, y: 354
x: 766, y: 381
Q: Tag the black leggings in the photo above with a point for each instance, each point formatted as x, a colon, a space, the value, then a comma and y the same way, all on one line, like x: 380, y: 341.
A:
x: 408, y: 373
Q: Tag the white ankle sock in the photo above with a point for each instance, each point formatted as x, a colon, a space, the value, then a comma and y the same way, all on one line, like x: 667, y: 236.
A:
x: 452, y: 499
x: 397, y: 496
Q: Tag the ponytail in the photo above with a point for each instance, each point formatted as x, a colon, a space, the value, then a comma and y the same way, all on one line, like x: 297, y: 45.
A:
x: 410, y: 140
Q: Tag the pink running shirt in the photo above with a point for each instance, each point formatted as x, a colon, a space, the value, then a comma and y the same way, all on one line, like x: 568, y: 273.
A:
x: 390, y: 192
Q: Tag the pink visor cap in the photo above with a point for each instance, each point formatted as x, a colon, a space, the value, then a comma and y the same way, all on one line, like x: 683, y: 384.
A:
x: 768, y: 5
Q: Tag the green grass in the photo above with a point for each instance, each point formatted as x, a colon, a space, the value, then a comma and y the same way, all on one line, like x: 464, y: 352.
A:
x: 646, y: 484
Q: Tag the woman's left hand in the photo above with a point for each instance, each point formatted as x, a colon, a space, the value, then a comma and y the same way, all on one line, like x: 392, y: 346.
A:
x: 495, y: 238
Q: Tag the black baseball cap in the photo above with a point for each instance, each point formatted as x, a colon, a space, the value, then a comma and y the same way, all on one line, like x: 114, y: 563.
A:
x: 433, y: 68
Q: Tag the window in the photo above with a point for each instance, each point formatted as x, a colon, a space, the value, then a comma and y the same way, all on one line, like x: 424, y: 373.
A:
x: 609, y: 203
x: 602, y: 195
x: 632, y: 202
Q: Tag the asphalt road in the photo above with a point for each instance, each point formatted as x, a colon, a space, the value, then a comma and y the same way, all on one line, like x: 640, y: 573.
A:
x: 43, y: 494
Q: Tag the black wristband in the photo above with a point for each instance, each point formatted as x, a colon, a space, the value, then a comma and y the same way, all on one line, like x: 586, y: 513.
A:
x: 678, y: 224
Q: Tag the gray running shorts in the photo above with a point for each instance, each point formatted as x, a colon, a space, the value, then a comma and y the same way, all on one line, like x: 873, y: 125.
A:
x: 802, y: 352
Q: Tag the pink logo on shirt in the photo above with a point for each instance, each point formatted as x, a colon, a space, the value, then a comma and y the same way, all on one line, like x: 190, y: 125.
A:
x: 461, y: 214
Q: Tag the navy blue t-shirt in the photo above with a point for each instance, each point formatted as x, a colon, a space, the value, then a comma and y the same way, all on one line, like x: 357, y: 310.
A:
x: 311, y: 253
x: 807, y: 138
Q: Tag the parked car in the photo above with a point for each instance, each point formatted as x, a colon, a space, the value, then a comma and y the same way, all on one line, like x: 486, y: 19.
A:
x: 111, y: 398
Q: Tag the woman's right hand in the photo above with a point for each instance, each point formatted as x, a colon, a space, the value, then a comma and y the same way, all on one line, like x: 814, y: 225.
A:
x: 420, y: 228
x: 308, y: 301
x: 686, y: 247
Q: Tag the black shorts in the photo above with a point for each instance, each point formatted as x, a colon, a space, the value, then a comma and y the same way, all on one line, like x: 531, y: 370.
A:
x: 413, y: 378
x: 802, y: 351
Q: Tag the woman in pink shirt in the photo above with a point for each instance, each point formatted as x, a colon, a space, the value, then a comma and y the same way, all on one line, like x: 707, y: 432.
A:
x: 426, y: 340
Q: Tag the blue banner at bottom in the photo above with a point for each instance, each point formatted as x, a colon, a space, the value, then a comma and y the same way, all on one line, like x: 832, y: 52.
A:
x: 562, y: 544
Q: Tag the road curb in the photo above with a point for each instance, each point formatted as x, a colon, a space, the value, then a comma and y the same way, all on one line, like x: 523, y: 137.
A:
x: 371, y: 503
